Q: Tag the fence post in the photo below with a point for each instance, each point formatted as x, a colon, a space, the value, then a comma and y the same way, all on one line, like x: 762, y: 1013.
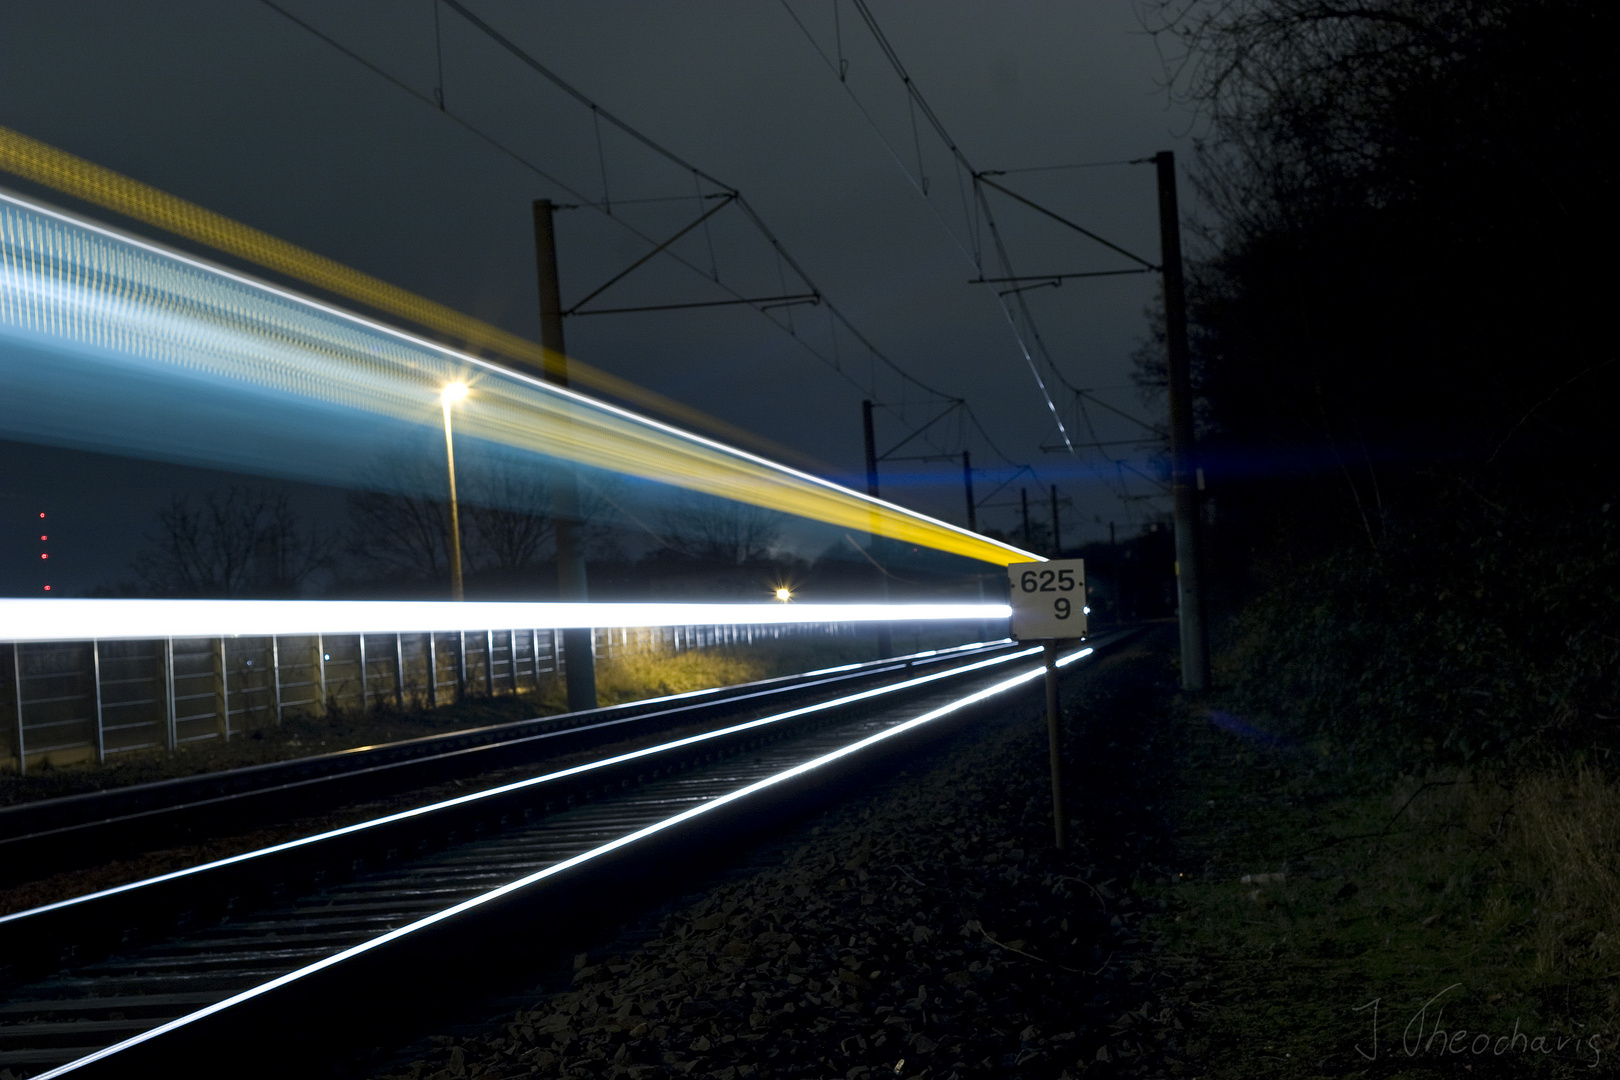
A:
x: 168, y: 695
x: 320, y: 670
x: 433, y: 669
x: 399, y: 673
x: 16, y: 680
x: 95, y: 676
x: 461, y: 665
x: 275, y: 673
x: 362, y: 639
x: 224, y: 692
x: 534, y: 654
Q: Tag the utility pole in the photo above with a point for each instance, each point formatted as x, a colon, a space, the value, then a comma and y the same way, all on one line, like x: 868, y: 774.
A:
x: 1183, y: 487
x: 967, y: 483
x: 1057, y: 535
x: 885, y: 640
x: 1023, y: 497
x: 579, y: 647
x: 871, y: 449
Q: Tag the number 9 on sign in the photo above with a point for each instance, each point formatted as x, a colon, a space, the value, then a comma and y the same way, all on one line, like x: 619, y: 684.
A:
x: 1048, y: 599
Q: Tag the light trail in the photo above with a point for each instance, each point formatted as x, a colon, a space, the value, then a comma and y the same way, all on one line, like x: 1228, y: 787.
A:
x: 94, y: 319
x: 552, y: 777
x: 564, y: 865
x: 39, y: 619
x: 72, y: 175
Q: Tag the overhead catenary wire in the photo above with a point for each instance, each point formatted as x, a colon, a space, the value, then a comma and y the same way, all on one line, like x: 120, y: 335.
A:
x: 747, y: 208
x: 982, y: 210
x: 920, y: 104
x: 602, y: 114
x: 599, y: 114
x: 836, y: 316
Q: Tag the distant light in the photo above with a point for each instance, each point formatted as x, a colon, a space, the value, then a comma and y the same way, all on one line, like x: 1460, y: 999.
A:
x: 42, y: 515
x: 47, y: 588
x: 453, y: 392
x: 784, y: 594
x: 43, y: 555
x: 42, y: 539
x: 1085, y: 611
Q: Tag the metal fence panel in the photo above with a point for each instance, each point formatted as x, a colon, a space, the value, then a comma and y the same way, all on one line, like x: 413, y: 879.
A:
x: 77, y: 701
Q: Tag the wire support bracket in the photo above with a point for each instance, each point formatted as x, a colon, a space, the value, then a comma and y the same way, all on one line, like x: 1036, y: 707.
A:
x: 765, y: 303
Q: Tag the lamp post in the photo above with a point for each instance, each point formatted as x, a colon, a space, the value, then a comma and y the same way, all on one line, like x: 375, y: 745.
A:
x: 451, y: 394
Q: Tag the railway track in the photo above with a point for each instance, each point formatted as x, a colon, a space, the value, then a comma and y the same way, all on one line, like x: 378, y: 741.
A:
x: 54, y: 835
x: 273, y: 960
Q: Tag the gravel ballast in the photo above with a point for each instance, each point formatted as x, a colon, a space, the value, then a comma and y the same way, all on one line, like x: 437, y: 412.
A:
x: 925, y: 929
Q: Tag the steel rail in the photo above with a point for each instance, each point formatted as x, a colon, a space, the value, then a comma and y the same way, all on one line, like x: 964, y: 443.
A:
x: 356, y: 940
x: 55, y: 834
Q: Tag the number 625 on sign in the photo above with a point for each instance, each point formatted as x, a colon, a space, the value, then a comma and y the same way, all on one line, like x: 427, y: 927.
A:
x: 1048, y: 599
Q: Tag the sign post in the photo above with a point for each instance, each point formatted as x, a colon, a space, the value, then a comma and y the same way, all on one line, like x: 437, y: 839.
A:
x: 1049, y: 603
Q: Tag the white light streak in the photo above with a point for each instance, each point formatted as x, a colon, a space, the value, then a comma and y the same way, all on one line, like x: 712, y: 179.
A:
x: 61, y: 619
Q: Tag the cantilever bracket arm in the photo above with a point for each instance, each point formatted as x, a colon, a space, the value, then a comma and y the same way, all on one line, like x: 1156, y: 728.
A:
x: 1109, y: 244
x: 724, y: 201
x: 1021, y: 470
x: 889, y: 454
x: 1044, y: 278
x: 764, y: 303
x: 1054, y: 283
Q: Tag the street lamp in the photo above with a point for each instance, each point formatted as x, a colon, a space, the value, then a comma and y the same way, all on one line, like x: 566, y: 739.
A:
x: 452, y: 393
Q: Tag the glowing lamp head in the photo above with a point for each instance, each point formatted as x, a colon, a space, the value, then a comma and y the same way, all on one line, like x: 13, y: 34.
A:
x: 453, y: 392
x: 784, y: 594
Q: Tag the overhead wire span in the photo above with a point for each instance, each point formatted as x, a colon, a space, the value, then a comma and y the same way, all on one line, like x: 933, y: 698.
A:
x: 920, y: 104
x: 601, y: 114
x: 582, y: 372
x: 982, y: 215
x: 603, y: 381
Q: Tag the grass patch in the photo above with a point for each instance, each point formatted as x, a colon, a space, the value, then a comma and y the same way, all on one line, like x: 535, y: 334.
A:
x: 1483, y: 635
x: 1479, y: 904
x: 634, y: 676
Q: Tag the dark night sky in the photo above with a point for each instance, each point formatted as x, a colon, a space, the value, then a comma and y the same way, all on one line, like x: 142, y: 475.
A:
x: 234, y: 107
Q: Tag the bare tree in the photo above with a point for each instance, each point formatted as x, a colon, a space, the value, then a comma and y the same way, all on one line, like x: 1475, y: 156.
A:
x: 505, y: 516
x: 400, y: 532
x: 239, y: 541
x: 509, y: 509
x: 728, y: 532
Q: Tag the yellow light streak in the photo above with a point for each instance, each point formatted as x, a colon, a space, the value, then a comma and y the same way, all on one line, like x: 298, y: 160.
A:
x: 510, y: 407
x: 72, y: 175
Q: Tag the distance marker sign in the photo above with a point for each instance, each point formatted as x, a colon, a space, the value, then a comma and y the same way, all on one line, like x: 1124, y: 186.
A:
x: 1048, y: 599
